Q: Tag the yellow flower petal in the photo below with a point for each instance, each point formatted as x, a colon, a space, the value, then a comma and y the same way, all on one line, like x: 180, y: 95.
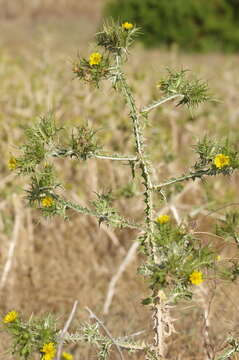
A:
x: 221, y: 160
x: 67, y: 356
x: 12, y: 163
x: 127, y: 26
x: 10, y: 317
x: 49, y: 351
x: 47, y: 201
x: 196, y: 277
x: 163, y: 219
x: 95, y: 59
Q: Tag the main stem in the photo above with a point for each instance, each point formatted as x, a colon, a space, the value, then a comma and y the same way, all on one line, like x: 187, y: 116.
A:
x: 148, y: 200
x: 139, y: 145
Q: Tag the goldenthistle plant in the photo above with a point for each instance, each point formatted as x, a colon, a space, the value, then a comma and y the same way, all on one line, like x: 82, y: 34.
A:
x: 175, y: 260
x: 35, y: 335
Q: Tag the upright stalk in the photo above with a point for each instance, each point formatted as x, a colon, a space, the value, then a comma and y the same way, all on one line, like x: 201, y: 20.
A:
x: 159, y: 308
x: 139, y: 145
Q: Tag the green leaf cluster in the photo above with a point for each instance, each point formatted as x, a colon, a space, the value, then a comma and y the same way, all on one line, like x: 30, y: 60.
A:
x: 228, y: 227
x: 39, y: 140
x: 104, y: 210
x: 208, y: 148
x: 91, y: 334
x: 114, y: 38
x: 179, y: 254
x: 193, y: 91
x: 45, y: 142
x: 84, y: 143
x: 91, y: 73
x: 30, y: 336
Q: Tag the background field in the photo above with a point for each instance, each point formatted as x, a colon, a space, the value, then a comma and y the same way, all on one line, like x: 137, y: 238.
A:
x: 56, y: 262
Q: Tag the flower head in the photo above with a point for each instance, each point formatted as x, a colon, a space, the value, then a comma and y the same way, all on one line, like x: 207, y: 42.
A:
x: 10, y: 317
x: 163, y: 219
x: 127, y: 26
x: 221, y: 160
x: 95, y: 58
x: 196, y: 277
x: 12, y: 163
x: 218, y: 258
x: 49, y: 351
x: 67, y: 356
x: 47, y: 201
x: 47, y: 166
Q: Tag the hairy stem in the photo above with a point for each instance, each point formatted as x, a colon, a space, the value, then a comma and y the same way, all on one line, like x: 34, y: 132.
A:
x: 148, y: 198
x: 65, y: 153
x: 119, y: 158
x: 139, y: 144
x: 196, y: 174
x: 84, y: 210
x: 155, y: 104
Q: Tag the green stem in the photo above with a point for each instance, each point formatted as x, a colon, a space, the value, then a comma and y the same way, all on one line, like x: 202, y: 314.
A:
x: 120, y: 158
x: 84, y: 210
x: 139, y: 144
x: 155, y: 104
x: 197, y: 174
x: 148, y: 200
x: 65, y: 153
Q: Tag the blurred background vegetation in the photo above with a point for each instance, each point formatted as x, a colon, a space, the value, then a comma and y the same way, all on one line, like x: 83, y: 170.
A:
x: 192, y: 25
x: 56, y: 262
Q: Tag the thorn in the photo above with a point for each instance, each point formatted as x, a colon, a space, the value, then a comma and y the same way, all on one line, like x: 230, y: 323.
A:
x: 102, y: 219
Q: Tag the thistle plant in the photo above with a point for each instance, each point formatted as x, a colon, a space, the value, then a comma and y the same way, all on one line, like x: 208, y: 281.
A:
x: 34, y: 335
x: 175, y: 259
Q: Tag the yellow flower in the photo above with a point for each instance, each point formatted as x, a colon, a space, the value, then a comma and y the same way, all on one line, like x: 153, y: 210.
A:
x: 67, y: 356
x: 47, y: 201
x: 127, y: 26
x: 95, y: 58
x: 49, y: 351
x: 47, y: 166
x: 163, y: 219
x: 196, y: 277
x: 218, y: 257
x: 221, y: 160
x: 12, y: 163
x: 10, y: 317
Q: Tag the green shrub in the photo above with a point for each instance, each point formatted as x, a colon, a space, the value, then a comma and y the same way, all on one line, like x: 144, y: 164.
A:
x: 198, y: 25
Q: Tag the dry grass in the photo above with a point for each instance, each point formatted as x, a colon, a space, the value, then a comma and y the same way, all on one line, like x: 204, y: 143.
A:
x: 57, y: 262
x: 33, y: 8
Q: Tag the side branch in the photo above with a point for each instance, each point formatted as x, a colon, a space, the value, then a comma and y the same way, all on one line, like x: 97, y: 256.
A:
x: 193, y: 176
x: 71, y: 153
x: 155, y: 104
x: 119, y: 158
x: 122, y: 223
